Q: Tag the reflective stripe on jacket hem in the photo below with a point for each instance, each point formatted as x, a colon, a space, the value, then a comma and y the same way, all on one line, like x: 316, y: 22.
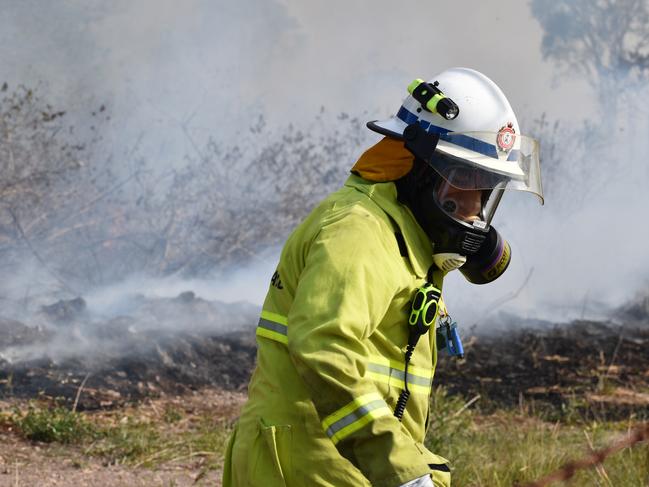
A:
x: 352, y: 417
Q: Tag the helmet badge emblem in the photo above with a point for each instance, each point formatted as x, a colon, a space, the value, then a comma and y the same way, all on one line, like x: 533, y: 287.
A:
x: 506, y: 137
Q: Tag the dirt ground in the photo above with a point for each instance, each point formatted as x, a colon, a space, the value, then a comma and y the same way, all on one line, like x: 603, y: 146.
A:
x: 27, y: 464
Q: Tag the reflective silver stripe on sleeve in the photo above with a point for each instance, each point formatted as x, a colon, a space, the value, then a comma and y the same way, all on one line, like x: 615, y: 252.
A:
x: 273, y: 326
x: 354, y: 416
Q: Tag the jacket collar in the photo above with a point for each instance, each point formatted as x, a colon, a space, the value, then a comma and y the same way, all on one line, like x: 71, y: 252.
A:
x: 420, y: 249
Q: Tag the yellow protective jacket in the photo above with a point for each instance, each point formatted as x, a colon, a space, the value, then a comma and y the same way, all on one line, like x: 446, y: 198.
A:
x: 330, y: 360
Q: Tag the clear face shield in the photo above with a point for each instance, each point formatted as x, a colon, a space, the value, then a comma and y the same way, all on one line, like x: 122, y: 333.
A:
x: 473, y: 183
x: 467, y: 205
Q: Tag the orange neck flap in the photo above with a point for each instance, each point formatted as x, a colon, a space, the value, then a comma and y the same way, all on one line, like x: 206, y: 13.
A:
x: 388, y: 160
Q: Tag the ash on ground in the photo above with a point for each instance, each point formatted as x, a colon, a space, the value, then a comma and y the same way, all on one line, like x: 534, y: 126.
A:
x: 171, y: 346
x: 582, y: 367
x: 162, y: 346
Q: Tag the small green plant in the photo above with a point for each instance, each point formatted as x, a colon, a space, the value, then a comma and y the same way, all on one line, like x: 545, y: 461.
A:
x: 130, y: 441
x: 172, y: 414
x: 52, y: 425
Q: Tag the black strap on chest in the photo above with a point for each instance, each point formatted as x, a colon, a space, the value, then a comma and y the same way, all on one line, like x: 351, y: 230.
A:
x: 401, y: 242
x: 435, y: 276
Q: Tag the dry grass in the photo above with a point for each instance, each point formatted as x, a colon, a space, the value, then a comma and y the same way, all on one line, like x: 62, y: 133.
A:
x: 500, y: 449
x: 513, y: 447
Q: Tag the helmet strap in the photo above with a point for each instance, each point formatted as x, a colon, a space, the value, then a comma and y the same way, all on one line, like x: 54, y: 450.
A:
x: 419, y: 142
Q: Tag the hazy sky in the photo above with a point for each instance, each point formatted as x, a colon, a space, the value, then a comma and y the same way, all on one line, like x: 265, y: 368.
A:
x: 212, y: 66
x: 212, y: 63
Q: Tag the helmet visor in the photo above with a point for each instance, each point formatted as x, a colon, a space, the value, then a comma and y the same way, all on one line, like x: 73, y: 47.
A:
x: 487, y: 161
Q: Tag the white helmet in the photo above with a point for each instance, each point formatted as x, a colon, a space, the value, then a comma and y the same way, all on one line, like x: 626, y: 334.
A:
x: 476, y: 126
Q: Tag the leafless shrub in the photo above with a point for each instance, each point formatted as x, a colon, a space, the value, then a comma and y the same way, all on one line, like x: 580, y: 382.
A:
x: 39, y: 174
x: 88, y: 220
x: 230, y: 202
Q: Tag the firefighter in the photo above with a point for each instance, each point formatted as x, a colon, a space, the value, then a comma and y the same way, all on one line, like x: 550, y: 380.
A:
x: 323, y: 399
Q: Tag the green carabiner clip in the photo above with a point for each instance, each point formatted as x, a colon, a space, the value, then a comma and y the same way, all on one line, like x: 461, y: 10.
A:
x: 424, y: 310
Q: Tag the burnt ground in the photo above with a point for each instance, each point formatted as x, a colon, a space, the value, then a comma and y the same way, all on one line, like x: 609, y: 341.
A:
x: 123, y: 370
x: 592, y: 368
x: 161, y: 364
x: 601, y: 367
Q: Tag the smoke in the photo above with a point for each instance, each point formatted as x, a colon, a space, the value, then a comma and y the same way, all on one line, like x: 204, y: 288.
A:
x: 179, y: 79
x: 129, y: 317
x: 212, y: 66
x: 248, y: 283
x: 584, y: 253
x: 135, y: 317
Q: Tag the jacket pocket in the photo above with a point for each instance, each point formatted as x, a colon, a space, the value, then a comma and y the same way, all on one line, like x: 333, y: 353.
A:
x: 273, y: 456
x: 439, y: 467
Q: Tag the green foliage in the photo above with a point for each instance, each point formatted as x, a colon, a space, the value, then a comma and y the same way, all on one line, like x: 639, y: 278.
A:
x: 53, y: 425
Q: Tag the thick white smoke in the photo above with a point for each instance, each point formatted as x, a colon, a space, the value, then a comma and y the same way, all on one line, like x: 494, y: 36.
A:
x: 174, y: 74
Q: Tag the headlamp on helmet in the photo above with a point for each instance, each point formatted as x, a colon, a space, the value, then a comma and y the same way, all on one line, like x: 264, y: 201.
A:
x: 432, y: 99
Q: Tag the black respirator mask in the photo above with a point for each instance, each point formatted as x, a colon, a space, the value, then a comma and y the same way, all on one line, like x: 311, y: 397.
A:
x: 456, y: 217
